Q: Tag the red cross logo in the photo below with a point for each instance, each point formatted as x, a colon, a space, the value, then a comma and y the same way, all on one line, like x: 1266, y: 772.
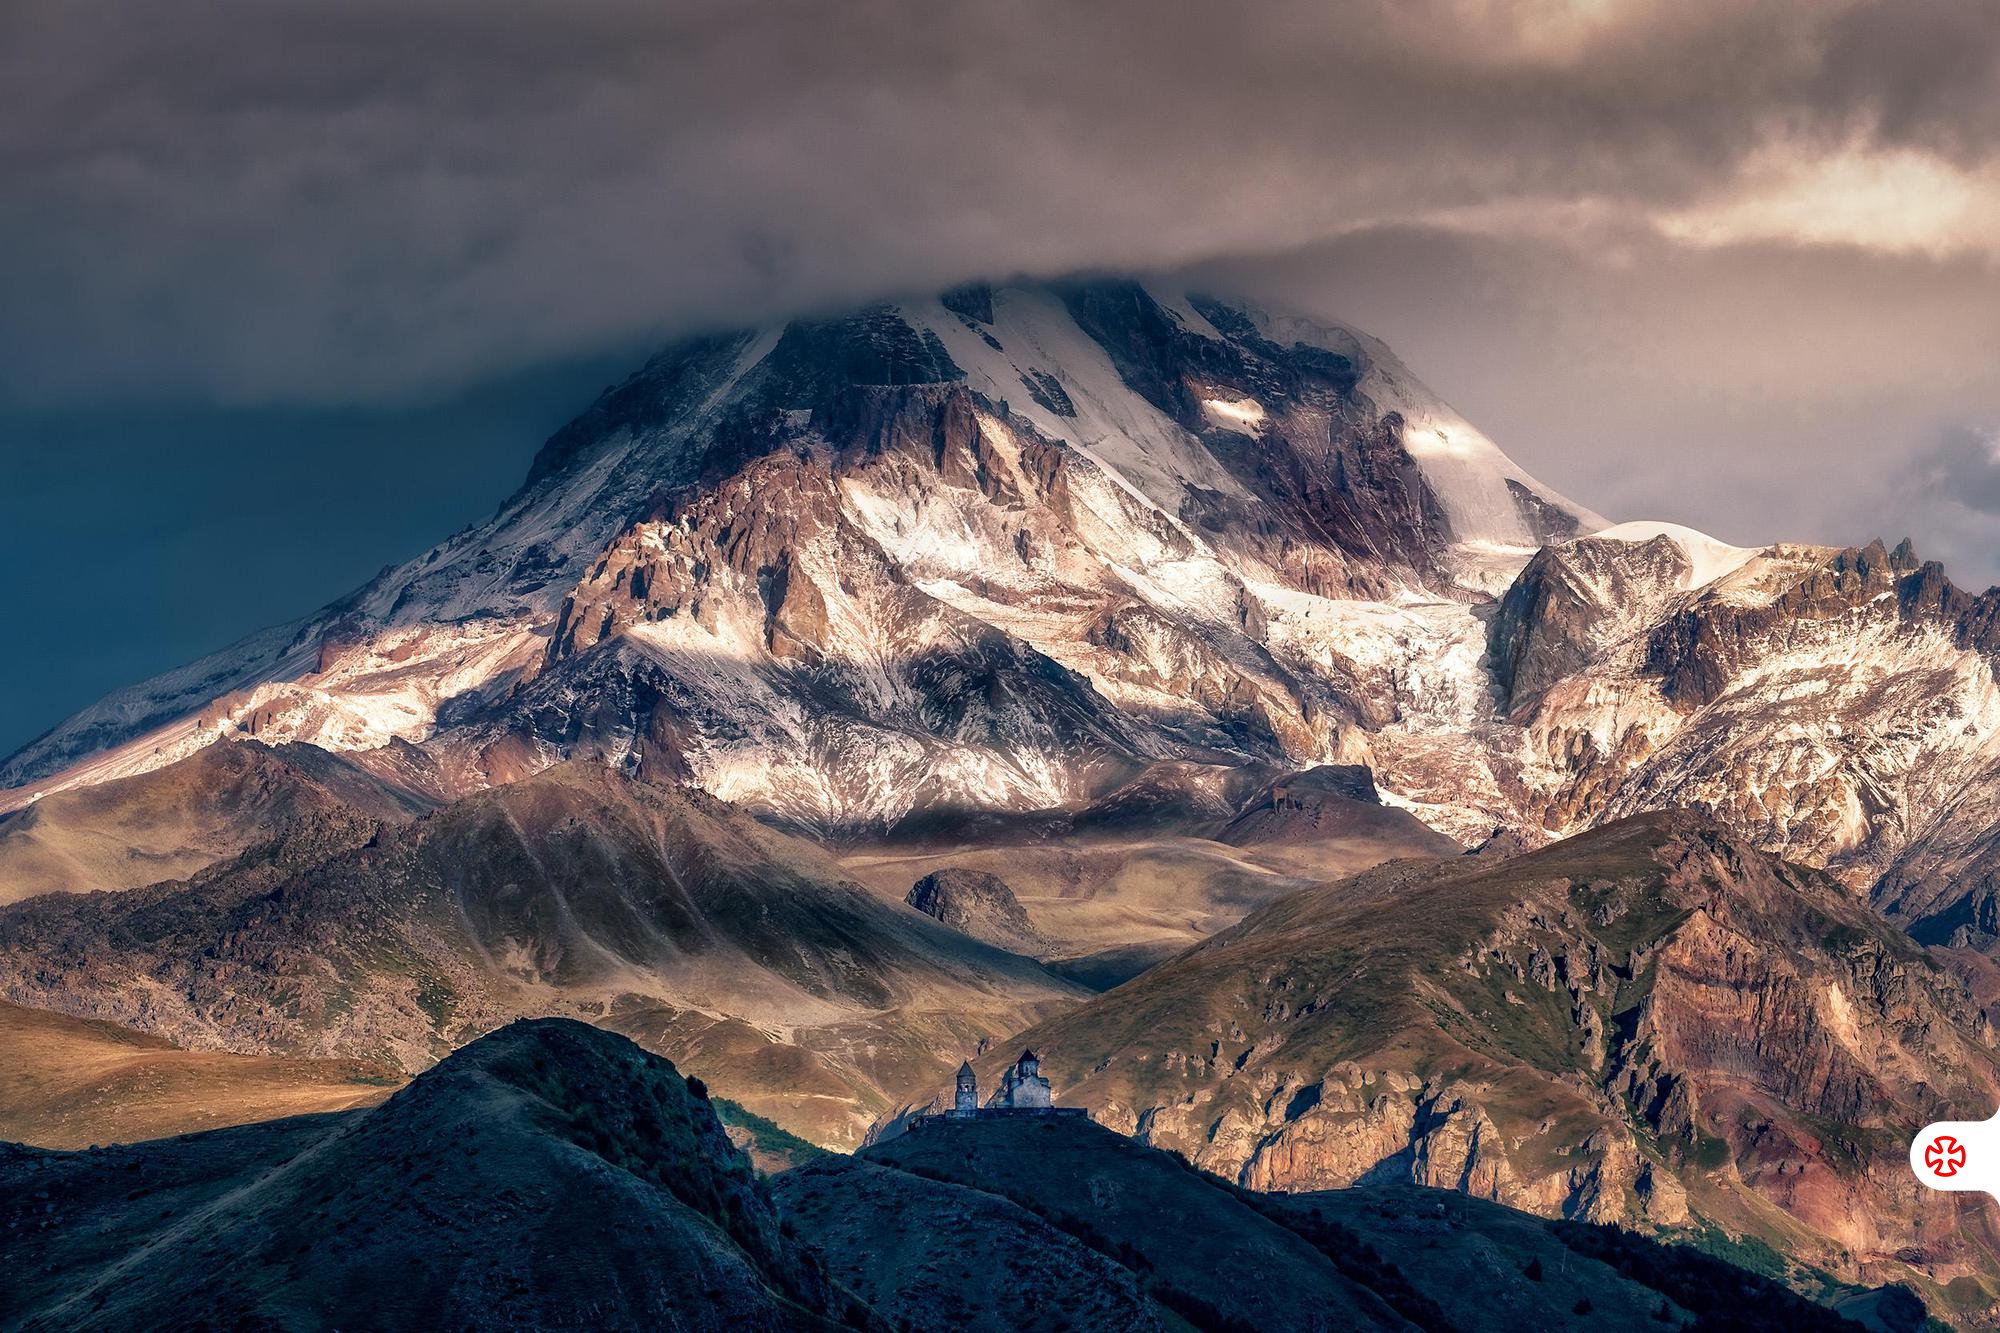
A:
x: 1945, y: 1156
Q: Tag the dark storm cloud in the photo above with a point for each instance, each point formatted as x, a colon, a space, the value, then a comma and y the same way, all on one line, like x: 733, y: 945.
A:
x: 1964, y: 468
x: 1731, y: 264
x: 328, y: 201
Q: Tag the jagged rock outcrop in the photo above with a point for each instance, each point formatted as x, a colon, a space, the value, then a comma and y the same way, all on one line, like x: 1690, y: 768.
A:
x: 978, y: 903
x: 1570, y: 602
x: 1838, y: 707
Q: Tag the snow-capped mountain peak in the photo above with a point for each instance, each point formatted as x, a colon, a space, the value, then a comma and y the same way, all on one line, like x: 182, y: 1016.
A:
x: 992, y: 548
x: 1007, y: 548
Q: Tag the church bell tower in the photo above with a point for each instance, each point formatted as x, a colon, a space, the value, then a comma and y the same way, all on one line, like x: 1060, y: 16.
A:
x: 966, y: 1101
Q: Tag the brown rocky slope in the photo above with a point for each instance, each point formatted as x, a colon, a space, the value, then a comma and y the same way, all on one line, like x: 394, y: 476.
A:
x: 655, y: 911
x: 1650, y: 1023
x: 183, y: 818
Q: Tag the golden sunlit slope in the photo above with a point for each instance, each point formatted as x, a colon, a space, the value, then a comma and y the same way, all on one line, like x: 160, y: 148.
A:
x: 68, y: 1083
x: 174, y: 821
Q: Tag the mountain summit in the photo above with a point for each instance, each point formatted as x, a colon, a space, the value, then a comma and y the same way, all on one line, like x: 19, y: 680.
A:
x: 1001, y: 549
x: 1036, y: 548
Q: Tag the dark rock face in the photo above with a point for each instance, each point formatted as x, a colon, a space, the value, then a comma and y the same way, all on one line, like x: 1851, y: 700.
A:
x: 1330, y: 470
x: 872, y: 348
x: 1562, y: 608
x: 1048, y: 391
x: 978, y: 903
x: 669, y: 386
x: 1946, y: 891
x: 973, y: 301
x: 1547, y: 522
x: 1697, y: 652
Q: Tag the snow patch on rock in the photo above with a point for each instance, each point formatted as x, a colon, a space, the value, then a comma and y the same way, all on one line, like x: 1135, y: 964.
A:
x: 1244, y: 415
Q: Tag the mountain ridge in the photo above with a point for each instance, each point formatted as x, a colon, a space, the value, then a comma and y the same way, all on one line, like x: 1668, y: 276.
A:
x: 1650, y: 1023
x: 1010, y: 548
x: 654, y: 910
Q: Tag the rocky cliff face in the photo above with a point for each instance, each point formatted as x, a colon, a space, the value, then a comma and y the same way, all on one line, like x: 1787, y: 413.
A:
x: 1835, y: 706
x: 1649, y: 1023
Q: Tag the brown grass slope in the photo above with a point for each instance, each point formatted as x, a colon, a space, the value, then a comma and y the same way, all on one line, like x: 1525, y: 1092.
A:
x: 550, y: 1175
x: 1650, y: 1022
x: 1116, y: 887
x: 177, y: 820
x: 658, y: 911
x: 70, y: 1083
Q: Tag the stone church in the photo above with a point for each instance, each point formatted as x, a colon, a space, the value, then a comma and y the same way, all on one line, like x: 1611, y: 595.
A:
x: 1022, y: 1088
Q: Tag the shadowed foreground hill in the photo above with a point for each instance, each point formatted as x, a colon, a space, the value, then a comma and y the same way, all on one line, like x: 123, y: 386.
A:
x: 550, y: 1175
x: 1191, y: 1236
x: 956, y: 1208
x: 930, y: 1254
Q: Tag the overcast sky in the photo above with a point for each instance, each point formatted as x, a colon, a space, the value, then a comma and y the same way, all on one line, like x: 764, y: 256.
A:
x: 291, y: 290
